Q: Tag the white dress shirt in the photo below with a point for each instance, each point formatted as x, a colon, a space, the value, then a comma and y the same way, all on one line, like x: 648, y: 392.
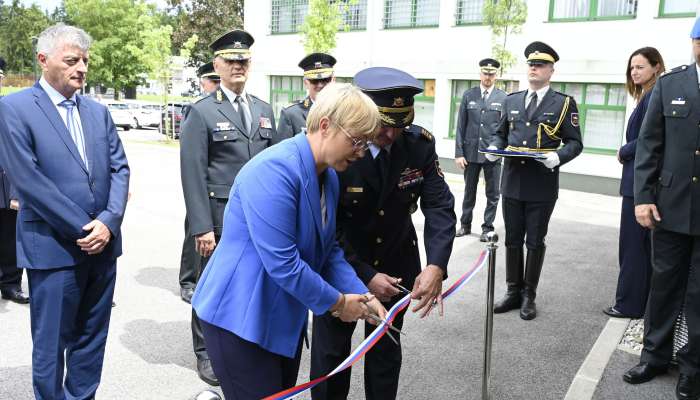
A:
x: 540, y: 95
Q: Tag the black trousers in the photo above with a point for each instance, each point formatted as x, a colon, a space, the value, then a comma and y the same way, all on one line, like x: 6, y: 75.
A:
x: 189, y: 260
x: 526, y: 222
x: 673, y: 283
x: 245, y: 370
x: 492, y: 177
x: 330, y: 345
x: 10, y: 275
x: 200, y: 348
x: 635, y: 263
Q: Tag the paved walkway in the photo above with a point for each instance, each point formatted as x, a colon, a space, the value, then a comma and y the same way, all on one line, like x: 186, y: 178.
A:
x: 149, y: 353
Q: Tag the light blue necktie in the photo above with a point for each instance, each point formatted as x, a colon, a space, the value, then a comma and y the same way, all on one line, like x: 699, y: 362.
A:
x: 74, y: 129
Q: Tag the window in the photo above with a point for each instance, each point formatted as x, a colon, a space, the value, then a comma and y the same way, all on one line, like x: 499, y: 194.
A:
x: 354, y: 14
x: 589, y: 10
x: 677, y: 8
x: 424, y: 105
x: 601, y: 108
x: 288, y: 15
x: 284, y: 90
x: 469, y: 12
x: 411, y: 13
x: 458, y: 89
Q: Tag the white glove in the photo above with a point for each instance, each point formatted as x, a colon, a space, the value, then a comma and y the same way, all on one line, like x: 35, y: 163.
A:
x: 491, y: 157
x: 551, y: 161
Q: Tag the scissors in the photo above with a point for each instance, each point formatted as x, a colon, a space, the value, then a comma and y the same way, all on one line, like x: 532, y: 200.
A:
x: 378, y: 320
x: 401, y: 288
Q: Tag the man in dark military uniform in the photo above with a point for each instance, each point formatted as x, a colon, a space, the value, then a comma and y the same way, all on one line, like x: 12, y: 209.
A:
x: 318, y: 72
x: 219, y: 135
x: 537, y: 120
x: 378, y: 194
x: 10, y: 275
x: 479, y: 115
x: 667, y: 200
x: 190, y: 260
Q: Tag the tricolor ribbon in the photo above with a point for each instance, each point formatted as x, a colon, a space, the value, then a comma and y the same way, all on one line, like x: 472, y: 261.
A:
x: 378, y: 332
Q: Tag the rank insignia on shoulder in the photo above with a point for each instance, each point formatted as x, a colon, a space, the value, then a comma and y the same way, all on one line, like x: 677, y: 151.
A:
x: 219, y: 96
x: 439, y: 170
x: 354, y: 189
x: 424, y: 132
x: 265, y: 123
x: 307, y: 103
x: 574, y: 119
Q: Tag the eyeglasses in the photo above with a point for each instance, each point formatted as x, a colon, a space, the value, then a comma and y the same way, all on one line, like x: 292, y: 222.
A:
x: 357, y: 143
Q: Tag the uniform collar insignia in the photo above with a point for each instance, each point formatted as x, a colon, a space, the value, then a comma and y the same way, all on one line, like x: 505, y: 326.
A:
x: 219, y: 96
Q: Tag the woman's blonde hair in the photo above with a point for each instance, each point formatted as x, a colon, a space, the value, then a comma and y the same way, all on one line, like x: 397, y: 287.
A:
x: 345, y: 105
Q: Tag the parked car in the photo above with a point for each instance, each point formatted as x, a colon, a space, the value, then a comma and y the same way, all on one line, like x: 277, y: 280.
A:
x: 121, y: 115
x: 144, y: 114
x: 172, y: 116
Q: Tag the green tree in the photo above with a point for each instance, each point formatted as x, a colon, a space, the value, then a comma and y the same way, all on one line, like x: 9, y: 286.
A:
x: 505, y: 17
x: 129, y: 42
x: 18, y: 24
x: 322, y: 23
x: 208, y: 19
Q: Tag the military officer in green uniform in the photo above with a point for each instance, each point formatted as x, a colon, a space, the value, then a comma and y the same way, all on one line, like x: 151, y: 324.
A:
x: 378, y: 195
x: 318, y: 72
x: 189, y: 260
x: 538, y: 120
x: 219, y: 135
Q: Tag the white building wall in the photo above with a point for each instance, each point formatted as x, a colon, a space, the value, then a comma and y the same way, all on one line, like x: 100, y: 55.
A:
x: 591, y: 51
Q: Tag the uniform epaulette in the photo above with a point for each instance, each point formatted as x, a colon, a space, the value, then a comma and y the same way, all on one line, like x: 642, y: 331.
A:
x: 674, y: 70
x: 198, y: 99
x: 294, y: 103
x: 419, y: 131
x: 514, y: 93
x: 257, y: 98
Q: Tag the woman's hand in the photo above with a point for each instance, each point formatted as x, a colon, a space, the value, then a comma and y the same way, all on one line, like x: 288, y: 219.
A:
x: 377, y: 308
x: 352, y: 308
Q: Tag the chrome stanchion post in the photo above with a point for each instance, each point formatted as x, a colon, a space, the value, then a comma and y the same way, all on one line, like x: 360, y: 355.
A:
x: 488, y: 324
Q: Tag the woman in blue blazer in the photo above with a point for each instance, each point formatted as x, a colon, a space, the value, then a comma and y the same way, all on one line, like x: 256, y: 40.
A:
x: 278, y: 257
x: 643, y: 68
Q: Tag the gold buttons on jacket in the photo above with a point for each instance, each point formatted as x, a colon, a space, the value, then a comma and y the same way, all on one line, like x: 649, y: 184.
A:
x: 697, y: 152
x: 527, y: 124
x: 379, y: 240
x: 381, y: 213
x: 695, y: 179
x: 522, y: 162
x: 211, y: 194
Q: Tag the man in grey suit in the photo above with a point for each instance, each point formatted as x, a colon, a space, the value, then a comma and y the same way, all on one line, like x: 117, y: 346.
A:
x: 667, y: 200
x: 221, y: 132
x: 479, y: 114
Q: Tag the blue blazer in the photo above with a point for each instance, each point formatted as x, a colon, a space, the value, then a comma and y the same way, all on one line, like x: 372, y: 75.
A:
x: 275, y: 260
x: 627, y: 151
x: 58, y: 195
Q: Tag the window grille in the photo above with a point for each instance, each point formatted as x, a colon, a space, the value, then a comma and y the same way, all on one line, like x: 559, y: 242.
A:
x: 411, y: 13
x: 469, y: 12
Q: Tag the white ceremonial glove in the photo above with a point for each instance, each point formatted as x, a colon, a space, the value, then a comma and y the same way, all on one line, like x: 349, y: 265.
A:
x: 551, y: 161
x: 491, y: 157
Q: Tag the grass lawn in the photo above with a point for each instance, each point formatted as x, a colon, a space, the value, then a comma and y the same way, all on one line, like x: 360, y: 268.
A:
x: 9, y: 89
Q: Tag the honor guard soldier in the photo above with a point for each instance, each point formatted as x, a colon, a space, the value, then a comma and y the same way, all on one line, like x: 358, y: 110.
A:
x: 667, y: 200
x: 537, y: 120
x: 189, y: 260
x: 318, y: 72
x: 219, y: 135
x: 477, y: 121
x: 378, y: 195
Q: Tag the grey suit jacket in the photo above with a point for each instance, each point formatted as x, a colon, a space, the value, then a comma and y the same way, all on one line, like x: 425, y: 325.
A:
x: 477, y: 122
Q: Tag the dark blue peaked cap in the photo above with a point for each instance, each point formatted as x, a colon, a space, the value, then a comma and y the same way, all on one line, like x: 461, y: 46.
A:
x: 695, y: 33
x: 392, y: 90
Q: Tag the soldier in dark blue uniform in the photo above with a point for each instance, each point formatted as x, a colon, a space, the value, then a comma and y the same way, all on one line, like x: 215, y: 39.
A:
x: 189, y: 260
x: 378, y: 195
x: 667, y: 200
x: 318, y: 72
x: 479, y: 115
x: 534, y: 120
x: 221, y: 132
x: 10, y: 275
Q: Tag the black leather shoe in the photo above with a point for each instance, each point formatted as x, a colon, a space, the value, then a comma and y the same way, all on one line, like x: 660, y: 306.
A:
x: 463, y: 231
x: 186, y: 294
x: 611, y: 311
x: 206, y: 373
x: 16, y: 296
x: 528, y: 310
x: 510, y: 301
x: 688, y: 388
x: 643, y: 372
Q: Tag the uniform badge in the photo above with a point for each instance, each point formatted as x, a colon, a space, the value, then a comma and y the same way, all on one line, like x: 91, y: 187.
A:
x: 318, y: 64
x: 265, y: 123
x: 515, y: 112
x: 574, y: 119
x: 223, y: 126
x: 679, y: 101
x: 354, y: 189
x: 398, y: 102
x: 439, y: 170
x: 410, y: 177
x: 237, y: 45
x: 472, y: 103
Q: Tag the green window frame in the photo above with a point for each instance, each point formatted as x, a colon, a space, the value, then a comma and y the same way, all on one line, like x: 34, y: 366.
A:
x: 424, y: 105
x: 411, y: 14
x: 459, y: 86
x: 469, y: 12
x: 692, y: 9
x: 286, y: 89
x: 602, y: 108
x: 593, y: 10
x: 287, y: 16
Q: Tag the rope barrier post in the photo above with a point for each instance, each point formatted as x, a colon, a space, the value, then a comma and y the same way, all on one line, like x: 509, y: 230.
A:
x: 488, y: 324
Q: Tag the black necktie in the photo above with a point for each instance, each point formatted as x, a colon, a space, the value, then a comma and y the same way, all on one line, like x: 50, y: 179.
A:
x: 530, y: 111
x: 382, y: 161
x: 485, y: 95
x: 242, y: 113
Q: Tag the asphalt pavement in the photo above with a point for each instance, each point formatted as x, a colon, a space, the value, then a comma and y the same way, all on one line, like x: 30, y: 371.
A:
x: 149, y: 352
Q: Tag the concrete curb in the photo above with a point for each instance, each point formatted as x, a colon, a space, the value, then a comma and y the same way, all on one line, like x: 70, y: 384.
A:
x: 586, y: 380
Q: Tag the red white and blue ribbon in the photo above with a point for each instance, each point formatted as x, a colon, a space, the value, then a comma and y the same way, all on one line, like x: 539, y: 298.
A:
x: 378, y: 332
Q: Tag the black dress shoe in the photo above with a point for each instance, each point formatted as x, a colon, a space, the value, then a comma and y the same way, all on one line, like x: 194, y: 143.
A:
x: 688, y: 387
x: 16, y: 296
x: 186, y: 294
x: 206, y: 372
x: 643, y: 372
x: 611, y: 311
x: 463, y: 231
